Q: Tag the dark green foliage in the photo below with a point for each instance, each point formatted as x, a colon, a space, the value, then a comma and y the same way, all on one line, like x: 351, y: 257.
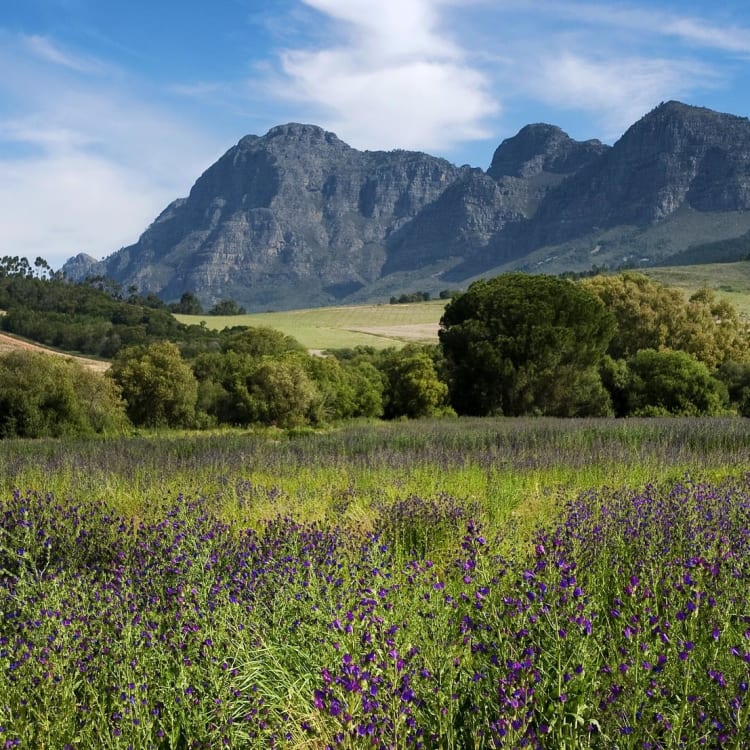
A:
x: 672, y: 382
x: 736, y: 377
x: 87, y: 318
x: 47, y: 396
x: 405, y: 299
x: 227, y: 307
x: 158, y: 385
x: 240, y: 389
x: 448, y: 293
x: 520, y: 344
x: 189, y: 304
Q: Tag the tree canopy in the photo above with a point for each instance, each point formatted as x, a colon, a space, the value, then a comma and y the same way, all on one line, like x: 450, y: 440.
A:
x: 157, y: 384
x: 650, y: 315
x: 520, y: 344
x: 42, y: 395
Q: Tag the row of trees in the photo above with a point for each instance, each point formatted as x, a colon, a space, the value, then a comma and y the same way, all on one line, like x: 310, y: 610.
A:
x: 606, y: 345
x: 261, y: 376
x: 514, y: 345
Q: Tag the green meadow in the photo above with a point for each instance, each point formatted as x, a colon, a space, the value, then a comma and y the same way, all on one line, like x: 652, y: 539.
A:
x: 385, y: 325
x: 451, y: 584
x: 379, y: 326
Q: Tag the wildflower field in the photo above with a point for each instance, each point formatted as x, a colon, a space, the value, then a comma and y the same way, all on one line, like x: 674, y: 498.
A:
x: 441, y: 584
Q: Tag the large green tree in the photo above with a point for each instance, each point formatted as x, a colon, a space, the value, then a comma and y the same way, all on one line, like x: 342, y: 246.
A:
x: 526, y: 344
x: 653, y: 316
x: 157, y: 384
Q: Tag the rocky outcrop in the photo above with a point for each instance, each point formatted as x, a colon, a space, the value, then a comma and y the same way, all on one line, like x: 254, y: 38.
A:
x: 676, y: 156
x: 298, y: 218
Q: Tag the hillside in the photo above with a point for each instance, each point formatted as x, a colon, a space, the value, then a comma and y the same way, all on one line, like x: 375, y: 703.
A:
x: 296, y: 218
x: 10, y: 344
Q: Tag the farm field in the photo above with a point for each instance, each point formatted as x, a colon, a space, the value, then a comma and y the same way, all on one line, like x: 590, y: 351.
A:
x: 379, y: 326
x: 385, y: 325
x: 462, y: 583
x: 729, y: 280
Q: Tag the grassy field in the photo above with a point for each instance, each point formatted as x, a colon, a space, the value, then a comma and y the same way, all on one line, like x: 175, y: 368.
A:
x: 380, y: 326
x: 729, y: 280
x: 455, y: 584
x: 394, y: 325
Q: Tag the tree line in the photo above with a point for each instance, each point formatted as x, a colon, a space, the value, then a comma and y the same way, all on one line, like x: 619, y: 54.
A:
x: 516, y: 345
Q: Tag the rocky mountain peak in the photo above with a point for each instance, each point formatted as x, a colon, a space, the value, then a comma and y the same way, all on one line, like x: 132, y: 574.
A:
x: 542, y: 148
x: 297, y: 218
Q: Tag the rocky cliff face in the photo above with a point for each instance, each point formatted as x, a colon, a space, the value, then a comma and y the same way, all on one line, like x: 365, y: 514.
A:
x: 676, y: 157
x: 298, y: 218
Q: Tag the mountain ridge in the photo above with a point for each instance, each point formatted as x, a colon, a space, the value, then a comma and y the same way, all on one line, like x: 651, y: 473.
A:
x: 298, y: 218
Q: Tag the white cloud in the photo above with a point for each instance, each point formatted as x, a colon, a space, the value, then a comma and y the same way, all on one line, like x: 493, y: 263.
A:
x: 394, y: 78
x: 56, y: 206
x: 649, y: 23
x: 616, y: 92
x: 46, y: 49
x: 696, y: 31
x: 87, y: 163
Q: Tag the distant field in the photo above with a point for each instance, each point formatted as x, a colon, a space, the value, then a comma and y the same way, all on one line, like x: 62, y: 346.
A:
x: 729, y: 280
x: 12, y: 343
x: 379, y: 326
x: 384, y: 325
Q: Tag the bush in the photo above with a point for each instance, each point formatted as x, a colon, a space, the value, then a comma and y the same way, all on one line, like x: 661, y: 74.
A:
x: 672, y: 382
x: 42, y: 395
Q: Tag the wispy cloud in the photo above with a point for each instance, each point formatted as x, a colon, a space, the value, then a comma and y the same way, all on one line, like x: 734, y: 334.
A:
x: 46, y: 49
x: 391, y: 78
x: 87, y: 162
x: 614, y: 92
x: 699, y: 31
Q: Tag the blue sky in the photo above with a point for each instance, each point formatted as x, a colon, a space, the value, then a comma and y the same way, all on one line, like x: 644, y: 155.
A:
x: 109, y: 110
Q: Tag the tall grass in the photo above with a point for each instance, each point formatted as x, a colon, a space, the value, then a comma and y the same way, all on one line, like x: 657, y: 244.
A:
x: 450, y: 584
x: 622, y: 623
x: 505, y: 465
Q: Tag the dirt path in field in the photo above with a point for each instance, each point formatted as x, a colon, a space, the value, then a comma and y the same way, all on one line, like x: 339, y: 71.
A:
x: 8, y: 343
x: 412, y: 332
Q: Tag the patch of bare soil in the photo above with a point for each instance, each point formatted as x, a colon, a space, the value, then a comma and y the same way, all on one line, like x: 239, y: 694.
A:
x: 8, y: 343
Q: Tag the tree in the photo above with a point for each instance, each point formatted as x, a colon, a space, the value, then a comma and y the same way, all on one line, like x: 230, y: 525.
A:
x: 413, y: 387
x: 276, y: 392
x: 672, y: 382
x: 189, y: 304
x: 650, y: 315
x: 226, y: 307
x: 714, y: 332
x: 259, y: 341
x: 736, y: 377
x: 521, y: 344
x: 158, y: 386
x: 42, y: 395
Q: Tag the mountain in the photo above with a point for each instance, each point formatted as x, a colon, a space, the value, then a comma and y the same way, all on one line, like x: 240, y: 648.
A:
x: 297, y: 218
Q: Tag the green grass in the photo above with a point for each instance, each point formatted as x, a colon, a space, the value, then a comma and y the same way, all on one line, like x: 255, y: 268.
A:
x: 505, y: 467
x: 730, y: 280
x: 582, y: 583
x: 340, y: 327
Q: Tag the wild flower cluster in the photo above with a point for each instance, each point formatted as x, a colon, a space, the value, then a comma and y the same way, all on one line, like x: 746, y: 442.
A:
x: 626, y: 624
